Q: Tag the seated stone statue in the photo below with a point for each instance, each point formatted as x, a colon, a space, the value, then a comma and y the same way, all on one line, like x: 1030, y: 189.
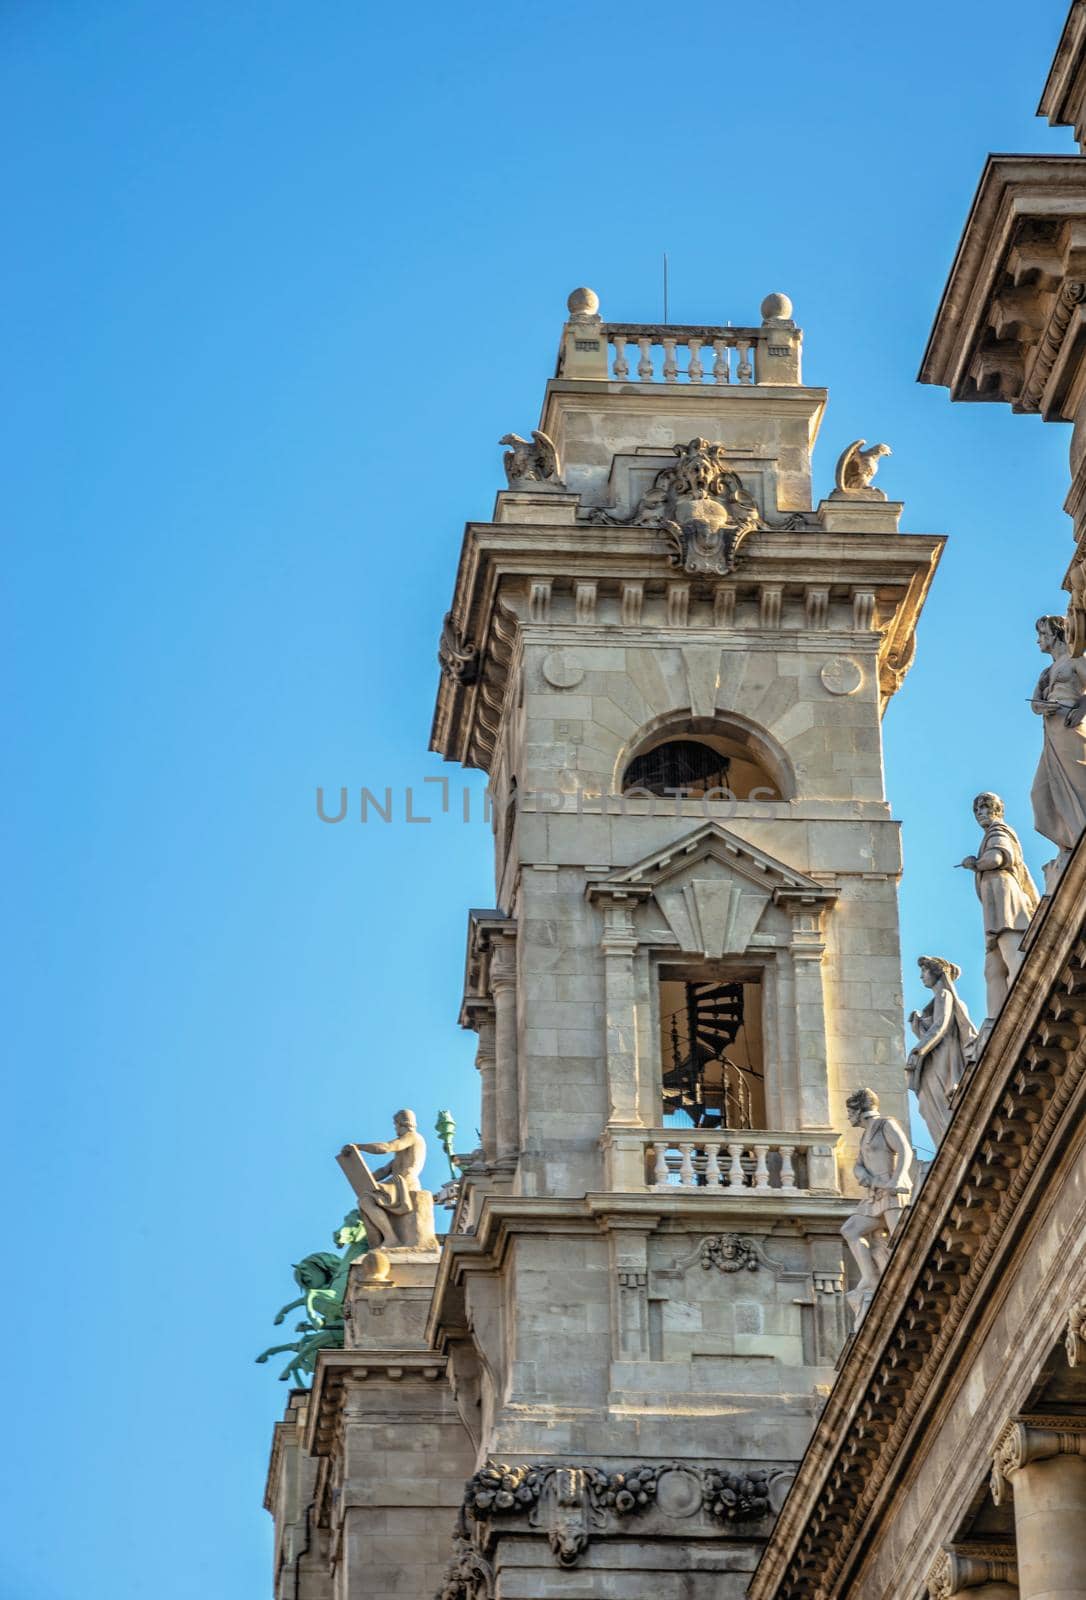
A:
x: 884, y: 1169
x: 397, y: 1211
x: 945, y: 1035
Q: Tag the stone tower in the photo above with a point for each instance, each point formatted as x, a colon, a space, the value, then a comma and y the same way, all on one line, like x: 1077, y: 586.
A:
x: 672, y: 663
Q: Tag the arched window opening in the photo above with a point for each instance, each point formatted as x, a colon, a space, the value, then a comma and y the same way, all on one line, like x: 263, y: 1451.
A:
x: 706, y: 759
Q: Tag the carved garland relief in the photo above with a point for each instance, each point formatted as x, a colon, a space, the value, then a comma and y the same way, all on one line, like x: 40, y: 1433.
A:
x: 573, y: 1503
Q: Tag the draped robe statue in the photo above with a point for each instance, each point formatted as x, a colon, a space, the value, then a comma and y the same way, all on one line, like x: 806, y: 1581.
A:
x: 1007, y: 895
x: 945, y: 1036
x: 1059, y: 789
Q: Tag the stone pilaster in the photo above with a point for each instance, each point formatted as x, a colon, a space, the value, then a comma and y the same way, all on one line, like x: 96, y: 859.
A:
x: 619, y: 946
x: 1042, y: 1459
x: 1075, y: 1338
x: 486, y: 1062
x: 503, y: 987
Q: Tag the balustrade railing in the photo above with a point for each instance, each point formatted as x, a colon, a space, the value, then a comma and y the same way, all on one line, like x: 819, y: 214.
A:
x: 752, y: 1162
x: 646, y: 354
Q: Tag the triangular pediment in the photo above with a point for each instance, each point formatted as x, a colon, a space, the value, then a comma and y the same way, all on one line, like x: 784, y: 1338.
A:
x: 712, y: 841
x: 713, y: 888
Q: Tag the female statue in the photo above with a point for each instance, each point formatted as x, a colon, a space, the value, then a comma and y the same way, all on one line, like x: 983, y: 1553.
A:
x: 1059, y: 789
x: 945, y: 1035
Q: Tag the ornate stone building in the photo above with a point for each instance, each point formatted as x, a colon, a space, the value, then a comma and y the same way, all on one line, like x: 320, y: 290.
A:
x: 634, y: 1366
x: 951, y: 1455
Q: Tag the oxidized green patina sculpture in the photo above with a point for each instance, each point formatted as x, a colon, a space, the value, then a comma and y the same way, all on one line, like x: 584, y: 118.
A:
x: 322, y: 1278
x: 445, y: 1128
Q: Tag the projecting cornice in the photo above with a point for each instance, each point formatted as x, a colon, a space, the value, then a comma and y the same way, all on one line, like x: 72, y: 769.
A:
x: 1064, y: 99
x: 1014, y: 1115
x: 338, y: 1368
x: 570, y: 579
x: 1011, y: 325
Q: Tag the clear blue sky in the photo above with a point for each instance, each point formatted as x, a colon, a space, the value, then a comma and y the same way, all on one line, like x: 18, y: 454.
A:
x: 277, y: 277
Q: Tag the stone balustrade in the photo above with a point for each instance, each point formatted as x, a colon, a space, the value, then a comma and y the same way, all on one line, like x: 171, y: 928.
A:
x: 668, y: 352
x: 751, y: 1161
x: 671, y: 354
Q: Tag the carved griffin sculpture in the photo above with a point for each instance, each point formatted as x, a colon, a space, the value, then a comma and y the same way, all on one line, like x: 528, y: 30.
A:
x: 856, y: 469
x: 533, y: 460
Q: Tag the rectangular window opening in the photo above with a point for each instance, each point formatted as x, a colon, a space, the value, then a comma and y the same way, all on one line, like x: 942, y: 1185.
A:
x: 712, y: 1047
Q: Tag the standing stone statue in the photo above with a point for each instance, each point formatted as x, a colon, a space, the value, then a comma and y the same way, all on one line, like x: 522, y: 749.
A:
x: 945, y: 1035
x: 884, y: 1169
x: 1007, y: 895
x: 397, y: 1210
x: 1059, y: 789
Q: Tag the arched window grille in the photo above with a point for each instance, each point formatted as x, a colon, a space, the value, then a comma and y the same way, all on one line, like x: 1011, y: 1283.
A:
x: 679, y: 764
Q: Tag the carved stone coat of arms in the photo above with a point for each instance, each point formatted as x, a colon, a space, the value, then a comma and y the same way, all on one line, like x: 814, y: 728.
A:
x: 702, y: 507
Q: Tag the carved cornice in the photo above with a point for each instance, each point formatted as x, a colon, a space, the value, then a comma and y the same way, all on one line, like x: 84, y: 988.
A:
x: 1013, y: 1110
x: 1033, y: 1438
x: 1009, y: 327
x: 1063, y: 101
x: 1039, y: 370
x: 513, y: 579
x: 338, y: 1368
x: 961, y: 1567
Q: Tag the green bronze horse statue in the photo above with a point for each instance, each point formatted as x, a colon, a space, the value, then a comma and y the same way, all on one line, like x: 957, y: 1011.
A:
x: 322, y: 1278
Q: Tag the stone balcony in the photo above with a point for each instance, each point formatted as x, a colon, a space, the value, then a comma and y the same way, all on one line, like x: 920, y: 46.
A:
x: 732, y: 1162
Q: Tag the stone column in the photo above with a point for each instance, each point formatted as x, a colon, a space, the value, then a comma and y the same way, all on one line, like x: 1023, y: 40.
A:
x: 619, y: 948
x: 1042, y: 1459
x: 488, y: 1102
x: 976, y: 1572
x: 503, y: 987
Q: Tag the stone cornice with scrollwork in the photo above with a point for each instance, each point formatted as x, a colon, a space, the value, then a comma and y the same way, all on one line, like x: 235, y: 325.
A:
x: 1046, y: 354
x: 1011, y: 1108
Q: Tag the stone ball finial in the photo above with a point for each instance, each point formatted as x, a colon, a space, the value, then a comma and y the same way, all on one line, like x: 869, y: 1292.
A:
x: 375, y: 1266
x: 583, y: 302
x: 776, y: 308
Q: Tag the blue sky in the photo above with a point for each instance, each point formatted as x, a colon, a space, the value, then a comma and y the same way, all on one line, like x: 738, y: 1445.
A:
x: 277, y: 278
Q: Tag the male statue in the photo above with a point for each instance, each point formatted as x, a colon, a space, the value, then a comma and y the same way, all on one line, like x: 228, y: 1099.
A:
x: 1007, y: 895
x: 884, y: 1169
x: 397, y: 1210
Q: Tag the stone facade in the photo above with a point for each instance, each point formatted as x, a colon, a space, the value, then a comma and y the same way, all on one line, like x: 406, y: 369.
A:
x: 630, y: 1369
